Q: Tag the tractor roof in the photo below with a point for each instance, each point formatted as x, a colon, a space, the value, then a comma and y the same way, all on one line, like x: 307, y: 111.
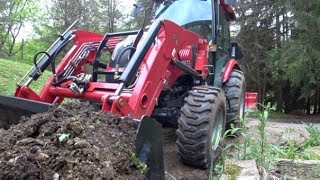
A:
x: 184, y: 12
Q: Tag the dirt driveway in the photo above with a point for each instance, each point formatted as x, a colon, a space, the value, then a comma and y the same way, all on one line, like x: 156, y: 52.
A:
x: 278, y: 131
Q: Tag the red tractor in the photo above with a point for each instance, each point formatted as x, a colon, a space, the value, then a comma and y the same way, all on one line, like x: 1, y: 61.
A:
x: 181, y: 71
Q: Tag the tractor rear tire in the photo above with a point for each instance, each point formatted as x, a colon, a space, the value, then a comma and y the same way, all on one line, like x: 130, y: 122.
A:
x: 201, y: 126
x: 234, y: 89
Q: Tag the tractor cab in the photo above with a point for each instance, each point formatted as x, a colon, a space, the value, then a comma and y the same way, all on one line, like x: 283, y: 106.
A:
x: 211, y: 21
x: 194, y: 15
x: 183, y: 12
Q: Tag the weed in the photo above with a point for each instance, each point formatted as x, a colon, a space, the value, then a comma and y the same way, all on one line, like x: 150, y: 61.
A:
x: 291, y: 150
x: 309, y: 154
x: 119, y: 145
x: 314, y: 139
x: 233, y: 171
x: 219, y: 168
x: 98, y: 122
x: 139, y: 164
x: 248, y: 147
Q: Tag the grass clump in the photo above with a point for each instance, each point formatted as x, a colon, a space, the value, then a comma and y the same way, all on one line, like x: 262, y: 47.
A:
x: 12, y: 71
x: 233, y: 171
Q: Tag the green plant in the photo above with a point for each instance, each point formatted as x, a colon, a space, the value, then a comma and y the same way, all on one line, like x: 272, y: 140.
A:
x: 139, y: 164
x: 314, y: 139
x: 309, y: 155
x: 251, y: 148
x: 119, y: 145
x: 244, y: 140
x: 291, y: 150
x: 261, y: 130
x: 98, y: 122
x: 219, y: 168
x: 248, y: 147
x: 233, y: 171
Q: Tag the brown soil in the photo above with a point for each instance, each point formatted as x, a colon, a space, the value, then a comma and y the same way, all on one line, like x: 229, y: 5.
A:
x: 281, y: 130
x: 99, y: 146
x: 175, y: 170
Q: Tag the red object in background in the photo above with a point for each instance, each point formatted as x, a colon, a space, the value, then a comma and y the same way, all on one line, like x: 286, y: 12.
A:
x: 251, y: 100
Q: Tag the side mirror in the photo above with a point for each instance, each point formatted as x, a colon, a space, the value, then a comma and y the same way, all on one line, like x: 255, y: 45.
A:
x: 136, y: 10
x: 236, y: 52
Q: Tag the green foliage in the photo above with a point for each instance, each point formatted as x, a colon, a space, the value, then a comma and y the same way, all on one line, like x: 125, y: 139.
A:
x: 233, y: 171
x: 31, y: 48
x: 139, y: 164
x: 314, y: 139
x: 119, y: 145
x: 136, y: 22
x: 280, y: 40
x: 246, y: 147
x: 98, y: 122
x: 15, y: 14
x: 11, y: 72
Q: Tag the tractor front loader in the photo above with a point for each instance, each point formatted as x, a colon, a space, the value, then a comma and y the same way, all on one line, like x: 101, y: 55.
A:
x: 182, y: 71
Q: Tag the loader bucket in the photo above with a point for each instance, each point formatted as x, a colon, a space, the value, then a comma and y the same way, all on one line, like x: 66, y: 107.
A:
x: 149, y: 147
x: 13, y: 108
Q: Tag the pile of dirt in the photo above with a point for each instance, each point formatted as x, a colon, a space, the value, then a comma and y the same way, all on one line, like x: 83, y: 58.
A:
x: 69, y: 142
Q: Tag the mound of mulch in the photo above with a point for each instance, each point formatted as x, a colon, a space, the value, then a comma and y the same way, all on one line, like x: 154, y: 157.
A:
x: 69, y: 142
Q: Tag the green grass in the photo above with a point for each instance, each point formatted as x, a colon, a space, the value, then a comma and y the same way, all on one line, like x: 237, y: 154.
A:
x: 272, y: 114
x: 10, y: 74
x: 275, y: 114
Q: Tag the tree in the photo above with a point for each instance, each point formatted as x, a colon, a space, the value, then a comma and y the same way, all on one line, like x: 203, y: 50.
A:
x: 14, y: 15
x: 256, y: 37
x: 301, y: 51
x: 146, y: 10
x: 94, y: 15
x: 280, y: 40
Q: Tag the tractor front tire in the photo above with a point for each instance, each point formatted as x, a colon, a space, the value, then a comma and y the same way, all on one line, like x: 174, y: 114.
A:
x: 234, y: 89
x: 201, y: 126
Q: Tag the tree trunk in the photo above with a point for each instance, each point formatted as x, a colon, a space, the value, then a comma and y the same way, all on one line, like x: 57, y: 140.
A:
x: 318, y: 101
x: 308, y: 106
x: 279, y: 97
x: 315, y: 102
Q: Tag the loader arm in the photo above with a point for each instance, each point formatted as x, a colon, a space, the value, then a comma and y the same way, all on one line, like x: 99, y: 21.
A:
x: 163, y: 55
x: 153, y: 66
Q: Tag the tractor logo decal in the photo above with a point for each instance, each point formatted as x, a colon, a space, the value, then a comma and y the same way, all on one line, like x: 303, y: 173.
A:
x: 184, y: 53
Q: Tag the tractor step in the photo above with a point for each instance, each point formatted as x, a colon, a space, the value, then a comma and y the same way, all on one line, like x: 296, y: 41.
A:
x: 13, y: 108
